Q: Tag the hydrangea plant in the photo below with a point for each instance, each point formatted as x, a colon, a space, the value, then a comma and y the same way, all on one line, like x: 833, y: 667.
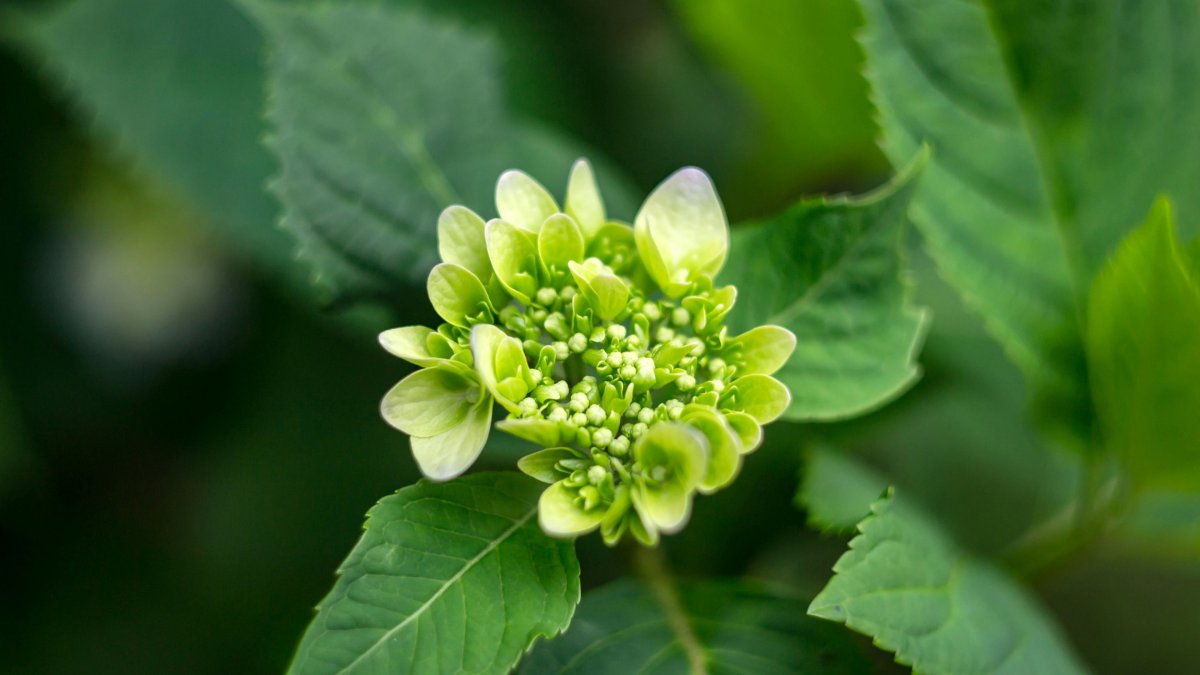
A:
x: 604, y: 343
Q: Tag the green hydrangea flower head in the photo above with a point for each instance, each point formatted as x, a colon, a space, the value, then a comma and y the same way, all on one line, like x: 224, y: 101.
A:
x: 604, y: 343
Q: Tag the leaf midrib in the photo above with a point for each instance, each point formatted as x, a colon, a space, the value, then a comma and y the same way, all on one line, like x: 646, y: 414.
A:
x: 445, y: 586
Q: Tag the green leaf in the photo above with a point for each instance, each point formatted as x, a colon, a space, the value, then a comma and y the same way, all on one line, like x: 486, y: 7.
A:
x: 914, y: 593
x: 447, y: 577
x: 1143, y: 344
x: 381, y: 119
x: 1050, y: 139
x: 175, y: 88
x: 831, y: 272
x: 626, y: 628
x: 837, y: 491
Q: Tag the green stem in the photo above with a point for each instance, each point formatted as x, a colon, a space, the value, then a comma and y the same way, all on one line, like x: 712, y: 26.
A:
x: 574, y: 369
x: 651, y: 566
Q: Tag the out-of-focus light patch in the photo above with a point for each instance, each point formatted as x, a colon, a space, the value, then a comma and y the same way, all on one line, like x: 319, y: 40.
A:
x: 132, y: 283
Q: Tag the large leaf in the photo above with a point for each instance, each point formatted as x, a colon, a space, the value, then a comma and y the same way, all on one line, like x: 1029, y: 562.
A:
x: 175, y: 86
x: 731, y: 628
x: 449, y: 577
x: 832, y: 271
x: 908, y: 587
x: 1144, y: 352
x: 1053, y: 127
x: 382, y: 118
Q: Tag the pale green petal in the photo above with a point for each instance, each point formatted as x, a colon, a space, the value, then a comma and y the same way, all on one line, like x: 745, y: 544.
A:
x: 748, y: 430
x: 615, y: 244
x: 764, y: 349
x: 542, y: 464
x: 543, y: 432
x: 681, y: 231
x: 584, y: 203
x: 514, y: 258
x: 683, y: 452
x: 560, y: 241
x: 559, y: 516
x: 523, y: 201
x: 452, y: 452
x: 486, y: 342
x: 762, y: 397
x: 430, y: 401
x: 724, y: 456
x: 513, y: 376
x: 410, y: 343
x: 456, y: 293
x: 461, y: 241
x: 604, y: 291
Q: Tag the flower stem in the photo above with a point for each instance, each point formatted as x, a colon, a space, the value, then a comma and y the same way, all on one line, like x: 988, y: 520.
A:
x: 651, y: 566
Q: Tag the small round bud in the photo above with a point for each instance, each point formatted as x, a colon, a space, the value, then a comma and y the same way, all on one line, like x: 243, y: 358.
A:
x: 645, y: 363
x: 633, y: 409
x: 646, y: 415
x: 628, y: 372
x: 674, y: 411
x: 685, y: 382
x: 579, y: 402
x: 716, y: 365
x: 680, y: 316
x: 633, y: 341
x: 615, y: 359
x: 664, y: 334
x: 538, y: 315
x: 546, y: 296
x: 579, y: 419
x: 561, y: 350
x: 577, y: 343
x: 596, y: 474
x: 616, y: 332
x: 556, y: 325
x: 557, y: 414
x: 652, y: 311
x: 602, y: 437
x: 596, y: 415
x: 567, y: 293
x: 619, y: 446
x: 528, y: 407
x: 638, y: 429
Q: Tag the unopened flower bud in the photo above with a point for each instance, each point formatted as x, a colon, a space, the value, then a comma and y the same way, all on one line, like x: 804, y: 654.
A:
x: 616, y: 332
x: 619, y: 446
x: 596, y: 415
x: 596, y: 474
x: 546, y: 296
x: 561, y: 351
x: 652, y: 312
x: 577, y: 343
x: 528, y: 407
x: 602, y: 437
x: 680, y: 317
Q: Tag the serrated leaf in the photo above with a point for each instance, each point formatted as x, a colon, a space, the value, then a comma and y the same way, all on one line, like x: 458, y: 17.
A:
x: 941, y: 611
x: 450, y: 577
x: 736, y: 628
x: 836, y: 490
x: 831, y: 271
x: 1143, y: 344
x: 381, y: 120
x: 1033, y: 182
x: 174, y: 87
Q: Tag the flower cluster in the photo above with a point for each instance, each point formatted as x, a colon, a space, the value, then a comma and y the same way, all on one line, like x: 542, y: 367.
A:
x: 605, y: 344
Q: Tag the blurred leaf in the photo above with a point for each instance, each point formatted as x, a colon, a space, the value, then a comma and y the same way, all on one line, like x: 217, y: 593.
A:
x: 800, y: 65
x: 1143, y: 343
x: 836, y: 490
x: 382, y: 119
x: 908, y: 587
x: 1164, y: 523
x: 1053, y: 126
x: 736, y: 627
x: 448, y: 576
x: 175, y: 87
x: 831, y: 271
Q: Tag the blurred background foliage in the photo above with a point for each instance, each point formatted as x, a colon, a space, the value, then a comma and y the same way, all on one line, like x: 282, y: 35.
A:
x: 187, y: 444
